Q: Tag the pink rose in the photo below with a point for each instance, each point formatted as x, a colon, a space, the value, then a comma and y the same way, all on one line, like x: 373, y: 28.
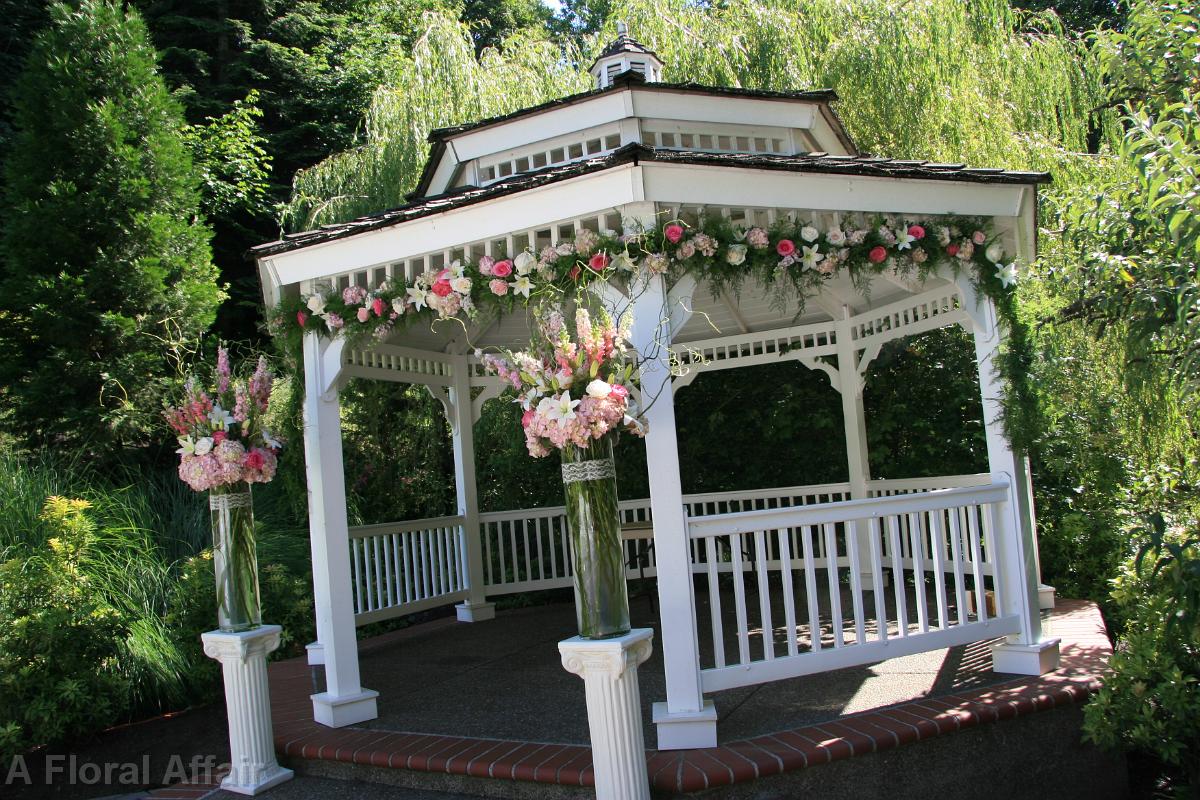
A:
x: 619, y: 392
x: 255, y: 459
x: 301, y: 318
x: 978, y: 237
x: 951, y: 249
x: 598, y: 262
x: 378, y: 306
x: 785, y: 247
x: 485, y: 265
x: 441, y: 288
x: 916, y: 231
x: 499, y: 286
x: 673, y: 232
x: 502, y: 269
x: 363, y: 314
x: 877, y: 255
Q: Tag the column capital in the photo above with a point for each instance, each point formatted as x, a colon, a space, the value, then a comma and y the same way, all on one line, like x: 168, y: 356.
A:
x: 225, y: 647
x: 610, y: 658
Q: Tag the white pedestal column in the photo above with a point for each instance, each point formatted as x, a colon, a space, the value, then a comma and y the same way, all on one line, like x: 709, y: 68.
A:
x: 609, y: 671
x: 243, y: 658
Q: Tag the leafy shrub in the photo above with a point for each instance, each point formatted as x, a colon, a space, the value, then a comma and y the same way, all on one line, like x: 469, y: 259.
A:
x: 60, y: 642
x: 1151, y: 700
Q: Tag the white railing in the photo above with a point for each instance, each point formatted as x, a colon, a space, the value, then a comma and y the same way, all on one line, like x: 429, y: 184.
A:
x: 791, y: 575
x: 889, y: 488
x: 399, y: 568
x: 529, y: 549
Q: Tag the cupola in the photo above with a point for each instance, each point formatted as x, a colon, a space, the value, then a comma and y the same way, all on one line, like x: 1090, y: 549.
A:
x: 625, y: 54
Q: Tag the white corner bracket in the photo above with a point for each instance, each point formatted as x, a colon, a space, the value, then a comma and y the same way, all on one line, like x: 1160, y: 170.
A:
x: 614, y: 708
x: 1025, y: 659
x: 243, y: 658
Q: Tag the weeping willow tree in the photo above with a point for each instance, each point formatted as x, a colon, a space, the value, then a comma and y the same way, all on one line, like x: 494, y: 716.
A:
x: 936, y: 79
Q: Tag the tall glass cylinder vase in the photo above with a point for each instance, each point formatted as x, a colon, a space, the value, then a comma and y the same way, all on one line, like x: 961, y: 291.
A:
x: 235, y: 557
x: 594, y: 521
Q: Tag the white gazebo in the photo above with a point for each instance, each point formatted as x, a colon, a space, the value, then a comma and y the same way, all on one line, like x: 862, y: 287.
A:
x: 796, y: 580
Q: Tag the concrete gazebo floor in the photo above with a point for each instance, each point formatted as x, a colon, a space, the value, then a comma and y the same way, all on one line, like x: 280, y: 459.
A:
x: 491, y: 701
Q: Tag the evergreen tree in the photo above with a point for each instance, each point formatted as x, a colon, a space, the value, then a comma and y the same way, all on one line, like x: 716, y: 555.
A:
x: 107, y: 269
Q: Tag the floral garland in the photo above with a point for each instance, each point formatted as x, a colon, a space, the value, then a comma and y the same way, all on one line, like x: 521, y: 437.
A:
x: 797, y: 258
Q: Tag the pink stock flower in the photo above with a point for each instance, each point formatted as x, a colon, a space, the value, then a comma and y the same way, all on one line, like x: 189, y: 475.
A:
x: 378, y: 306
x: 222, y: 370
x: 498, y: 286
x: 502, y: 269
x: 363, y: 314
x: 877, y: 255
x: 673, y: 232
x: 916, y: 231
x: 785, y: 247
x: 598, y: 262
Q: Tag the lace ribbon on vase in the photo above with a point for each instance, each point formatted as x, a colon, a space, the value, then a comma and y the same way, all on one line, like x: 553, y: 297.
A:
x: 224, y: 502
x: 588, y: 470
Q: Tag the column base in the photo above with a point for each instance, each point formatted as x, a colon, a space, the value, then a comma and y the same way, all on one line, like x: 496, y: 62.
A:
x: 1045, y: 596
x: 338, y: 712
x: 686, y: 730
x: 315, y: 653
x: 1025, y: 659
x: 265, y: 781
x: 477, y: 612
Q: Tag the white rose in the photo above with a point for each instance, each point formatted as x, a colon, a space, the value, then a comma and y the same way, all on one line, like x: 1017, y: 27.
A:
x: 316, y: 303
x: 835, y: 237
x: 995, y: 252
x: 461, y: 285
x: 399, y: 305
x: 809, y: 234
x: 599, y: 389
x: 204, y: 446
x: 736, y: 254
x: 565, y: 249
x: 524, y: 262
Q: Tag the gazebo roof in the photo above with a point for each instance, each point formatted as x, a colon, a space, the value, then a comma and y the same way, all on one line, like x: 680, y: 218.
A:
x: 824, y: 163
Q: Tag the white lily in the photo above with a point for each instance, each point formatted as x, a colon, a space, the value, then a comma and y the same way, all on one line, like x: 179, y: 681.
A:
x: 524, y: 262
x: 316, y: 303
x: 904, y: 239
x: 219, y: 417
x: 187, y: 446
x: 559, y: 409
x: 416, y: 297
x: 270, y: 441
x: 522, y: 286
x: 810, y: 256
x: 1007, y: 274
x: 456, y: 269
x: 623, y: 263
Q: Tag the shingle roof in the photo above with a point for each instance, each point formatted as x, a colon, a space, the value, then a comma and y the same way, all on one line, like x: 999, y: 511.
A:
x: 624, y: 43
x: 823, y: 163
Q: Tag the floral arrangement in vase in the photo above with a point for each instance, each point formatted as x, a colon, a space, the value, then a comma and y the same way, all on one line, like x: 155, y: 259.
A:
x: 573, y: 384
x: 224, y: 446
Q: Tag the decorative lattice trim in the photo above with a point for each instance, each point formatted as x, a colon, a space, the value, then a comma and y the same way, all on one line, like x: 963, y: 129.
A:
x: 224, y: 502
x: 588, y: 470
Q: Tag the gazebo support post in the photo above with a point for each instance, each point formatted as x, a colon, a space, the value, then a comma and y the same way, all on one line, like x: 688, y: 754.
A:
x: 1028, y: 652
x: 686, y: 720
x: 462, y: 422
x: 344, y: 701
x: 850, y: 386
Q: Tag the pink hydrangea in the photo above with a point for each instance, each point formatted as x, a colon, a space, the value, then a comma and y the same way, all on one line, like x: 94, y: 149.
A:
x: 485, y: 266
x: 758, y: 238
x: 353, y: 295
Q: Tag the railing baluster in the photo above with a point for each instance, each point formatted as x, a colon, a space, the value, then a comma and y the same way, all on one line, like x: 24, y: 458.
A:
x: 837, y: 623
x: 714, y: 600
x: 856, y: 589
x: 501, y: 549
x: 426, y: 563
x: 378, y: 572
x: 739, y: 598
x: 992, y: 529
x: 876, y: 546
x: 555, y: 540
x: 810, y: 587
x: 357, y: 547
x: 937, y: 543
x: 528, y: 552
x: 516, y: 557
x: 487, y: 528
x: 784, y: 538
x: 977, y: 564
x: 541, y: 559
x: 915, y: 534
x: 387, y: 570
x: 960, y: 591
x: 762, y: 559
x: 898, y: 579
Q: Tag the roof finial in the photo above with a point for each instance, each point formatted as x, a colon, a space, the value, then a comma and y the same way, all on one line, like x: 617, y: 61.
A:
x: 622, y: 28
